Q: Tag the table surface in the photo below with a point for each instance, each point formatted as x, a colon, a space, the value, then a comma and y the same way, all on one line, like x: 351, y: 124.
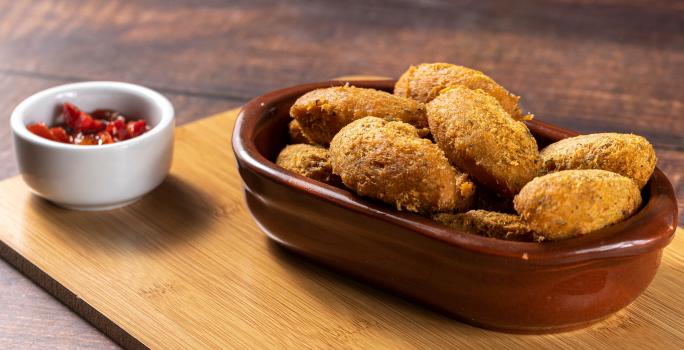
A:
x: 587, y: 65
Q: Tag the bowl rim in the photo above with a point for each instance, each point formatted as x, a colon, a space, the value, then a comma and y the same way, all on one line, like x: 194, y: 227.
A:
x: 651, y: 228
x: 166, y: 119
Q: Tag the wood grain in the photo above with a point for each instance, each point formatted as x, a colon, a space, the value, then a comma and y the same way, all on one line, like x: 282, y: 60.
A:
x: 585, y: 64
x: 187, y: 267
x: 31, y: 318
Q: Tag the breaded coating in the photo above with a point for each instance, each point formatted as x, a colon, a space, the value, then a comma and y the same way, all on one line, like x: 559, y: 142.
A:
x: 572, y: 203
x: 388, y: 161
x: 424, y: 82
x: 488, y: 224
x: 323, y: 112
x: 626, y: 154
x: 307, y: 160
x: 479, y: 137
x: 297, y: 135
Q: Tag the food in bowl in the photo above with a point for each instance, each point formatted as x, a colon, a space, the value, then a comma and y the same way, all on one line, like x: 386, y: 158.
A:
x: 117, y: 173
x: 489, y: 224
x: 498, y: 284
x: 102, y: 126
x: 296, y: 134
x: 323, y: 112
x: 572, y: 203
x: 480, y: 137
x: 389, y: 161
x: 308, y: 160
x: 428, y: 80
x: 476, y: 158
x: 626, y: 154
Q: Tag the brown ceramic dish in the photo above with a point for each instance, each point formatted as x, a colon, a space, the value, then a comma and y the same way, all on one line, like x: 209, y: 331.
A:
x: 508, y: 286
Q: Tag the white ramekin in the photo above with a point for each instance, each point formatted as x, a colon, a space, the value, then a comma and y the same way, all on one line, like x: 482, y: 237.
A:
x: 94, y: 177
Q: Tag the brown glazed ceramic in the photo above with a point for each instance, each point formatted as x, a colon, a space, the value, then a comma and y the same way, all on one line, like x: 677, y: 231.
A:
x: 501, y: 285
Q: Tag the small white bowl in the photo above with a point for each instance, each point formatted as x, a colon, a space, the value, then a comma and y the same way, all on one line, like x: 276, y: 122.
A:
x: 94, y: 177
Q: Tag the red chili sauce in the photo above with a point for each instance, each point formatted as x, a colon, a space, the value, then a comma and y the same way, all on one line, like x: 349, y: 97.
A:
x: 100, y: 127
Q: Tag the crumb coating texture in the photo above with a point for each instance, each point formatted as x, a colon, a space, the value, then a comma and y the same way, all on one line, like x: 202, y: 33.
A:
x: 572, y: 203
x: 388, y: 161
x: 321, y: 113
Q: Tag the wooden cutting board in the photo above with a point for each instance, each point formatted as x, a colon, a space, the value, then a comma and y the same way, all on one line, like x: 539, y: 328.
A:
x: 186, y: 267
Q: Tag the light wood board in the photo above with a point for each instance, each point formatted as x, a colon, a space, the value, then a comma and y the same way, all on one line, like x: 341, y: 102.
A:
x: 186, y: 267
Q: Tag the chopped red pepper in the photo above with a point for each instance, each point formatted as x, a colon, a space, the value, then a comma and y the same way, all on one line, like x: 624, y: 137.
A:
x: 90, y: 124
x: 41, y: 129
x: 117, y: 128
x: 105, y: 137
x: 136, y: 128
x: 105, y: 114
x: 103, y: 126
x: 88, y: 139
x: 59, y: 134
x: 71, y: 115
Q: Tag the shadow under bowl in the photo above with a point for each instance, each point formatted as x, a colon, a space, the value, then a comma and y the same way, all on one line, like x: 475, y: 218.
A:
x: 508, y: 286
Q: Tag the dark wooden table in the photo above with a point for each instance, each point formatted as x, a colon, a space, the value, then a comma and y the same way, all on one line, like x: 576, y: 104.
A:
x: 615, y: 65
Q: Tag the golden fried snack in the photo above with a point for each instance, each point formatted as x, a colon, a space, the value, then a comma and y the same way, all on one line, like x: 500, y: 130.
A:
x: 388, y: 161
x: 307, y: 160
x: 488, y: 224
x: 572, y: 203
x: 424, y: 82
x: 479, y: 137
x: 323, y: 112
x: 297, y: 135
x: 626, y: 154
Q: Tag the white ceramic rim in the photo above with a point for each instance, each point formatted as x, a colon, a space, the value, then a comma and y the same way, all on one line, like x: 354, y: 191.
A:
x: 167, y: 114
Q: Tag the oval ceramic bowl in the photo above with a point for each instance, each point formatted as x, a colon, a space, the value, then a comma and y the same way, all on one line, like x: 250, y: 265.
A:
x: 94, y: 177
x: 501, y: 285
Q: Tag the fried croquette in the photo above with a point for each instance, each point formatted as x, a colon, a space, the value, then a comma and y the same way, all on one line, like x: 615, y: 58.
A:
x: 479, y: 137
x: 307, y: 160
x: 297, y: 135
x: 388, y: 161
x: 424, y: 82
x: 626, y: 154
x: 572, y: 203
x: 488, y: 224
x: 323, y: 112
